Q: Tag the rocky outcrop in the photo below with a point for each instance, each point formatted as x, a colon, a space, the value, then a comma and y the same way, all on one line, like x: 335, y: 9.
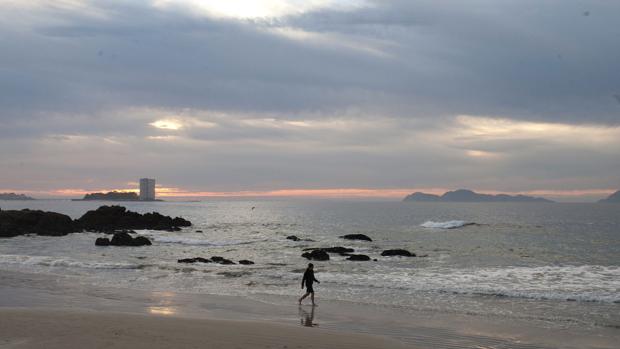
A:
x: 336, y: 249
x: 246, y: 262
x: 20, y: 222
x: 316, y: 255
x: 221, y: 260
x: 356, y: 237
x: 194, y: 260
x: 397, y: 252
x: 123, y: 239
x: 102, y: 242
x: 358, y: 257
x: 110, y: 218
x: 293, y: 237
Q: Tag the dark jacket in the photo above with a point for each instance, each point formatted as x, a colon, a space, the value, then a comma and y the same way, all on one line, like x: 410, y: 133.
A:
x: 308, y: 278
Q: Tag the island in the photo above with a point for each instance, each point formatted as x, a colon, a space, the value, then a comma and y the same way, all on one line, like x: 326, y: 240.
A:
x: 13, y: 196
x: 112, y: 196
x: 613, y: 198
x: 465, y: 195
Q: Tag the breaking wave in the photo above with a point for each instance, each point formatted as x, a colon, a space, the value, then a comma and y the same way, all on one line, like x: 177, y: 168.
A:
x: 446, y: 225
x: 63, y: 262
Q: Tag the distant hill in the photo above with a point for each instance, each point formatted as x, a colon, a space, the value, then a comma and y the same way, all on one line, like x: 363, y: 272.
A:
x: 464, y: 195
x: 615, y: 197
x: 113, y: 196
x: 13, y: 196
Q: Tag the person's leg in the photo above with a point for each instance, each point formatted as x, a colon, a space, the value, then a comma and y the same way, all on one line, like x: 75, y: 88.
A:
x: 303, y: 297
x: 312, y: 298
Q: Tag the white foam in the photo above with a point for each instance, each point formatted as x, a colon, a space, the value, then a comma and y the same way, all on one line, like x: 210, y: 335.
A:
x: 445, y: 225
x: 62, y: 262
x: 591, y: 283
x: 196, y: 241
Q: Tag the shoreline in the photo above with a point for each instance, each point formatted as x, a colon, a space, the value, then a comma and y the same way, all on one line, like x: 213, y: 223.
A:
x: 43, y: 294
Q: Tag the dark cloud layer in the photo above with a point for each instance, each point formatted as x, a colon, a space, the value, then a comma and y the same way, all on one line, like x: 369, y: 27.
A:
x: 362, y: 97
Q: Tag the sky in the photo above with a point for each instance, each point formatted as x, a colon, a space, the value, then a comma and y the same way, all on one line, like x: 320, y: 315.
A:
x: 321, y: 98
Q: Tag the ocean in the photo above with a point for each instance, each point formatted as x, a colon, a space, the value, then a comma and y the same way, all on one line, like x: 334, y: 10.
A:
x: 553, y: 264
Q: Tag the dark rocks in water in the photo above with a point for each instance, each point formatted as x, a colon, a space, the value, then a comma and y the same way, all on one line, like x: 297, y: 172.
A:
x: 293, y: 237
x: 199, y: 231
x: 358, y: 257
x: 20, y: 222
x: 316, y: 255
x: 110, y: 218
x: 356, y: 237
x: 141, y: 241
x: 234, y: 274
x: 124, y: 239
x: 102, y: 242
x: 397, y: 252
x: 221, y: 260
x: 245, y: 262
x: 13, y: 196
x: 112, y: 196
x: 337, y: 249
x: 194, y: 260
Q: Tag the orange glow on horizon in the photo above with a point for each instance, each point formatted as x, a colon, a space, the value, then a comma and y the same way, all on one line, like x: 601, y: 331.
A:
x: 397, y: 193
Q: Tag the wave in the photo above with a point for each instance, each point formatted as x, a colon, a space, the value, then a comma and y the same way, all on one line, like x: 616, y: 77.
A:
x: 585, y: 283
x: 198, y: 242
x: 65, y: 262
x: 446, y: 225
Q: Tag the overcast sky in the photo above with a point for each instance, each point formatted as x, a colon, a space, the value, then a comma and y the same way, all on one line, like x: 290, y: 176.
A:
x: 321, y: 97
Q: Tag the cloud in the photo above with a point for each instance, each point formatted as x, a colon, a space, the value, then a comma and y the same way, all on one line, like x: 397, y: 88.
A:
x: 512, y: 95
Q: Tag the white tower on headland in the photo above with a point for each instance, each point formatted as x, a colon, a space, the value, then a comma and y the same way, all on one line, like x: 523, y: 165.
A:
x: 147, y: 189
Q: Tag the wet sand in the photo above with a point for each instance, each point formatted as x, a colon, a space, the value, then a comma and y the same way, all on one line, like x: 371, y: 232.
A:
x: 33, y: 328
x: 44, y: 311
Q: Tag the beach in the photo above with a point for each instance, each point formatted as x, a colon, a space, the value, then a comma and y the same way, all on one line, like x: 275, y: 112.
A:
x: 491, y: 276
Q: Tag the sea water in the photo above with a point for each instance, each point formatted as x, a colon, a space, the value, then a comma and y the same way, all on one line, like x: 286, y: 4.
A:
x: 556, y: 264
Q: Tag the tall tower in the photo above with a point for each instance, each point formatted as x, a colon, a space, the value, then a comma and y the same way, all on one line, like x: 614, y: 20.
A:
x: 147, y: 189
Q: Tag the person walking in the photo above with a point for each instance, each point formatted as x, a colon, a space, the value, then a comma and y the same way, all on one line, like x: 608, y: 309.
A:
x: 307, y: 281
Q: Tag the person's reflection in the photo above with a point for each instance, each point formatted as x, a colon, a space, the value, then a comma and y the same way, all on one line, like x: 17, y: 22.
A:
x: 307, y: 318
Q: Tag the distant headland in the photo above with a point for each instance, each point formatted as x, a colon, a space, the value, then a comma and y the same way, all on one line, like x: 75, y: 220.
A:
x: 613, y: 198
x: 112, y: 196
x: 13, y: 196
x: 465, y: 195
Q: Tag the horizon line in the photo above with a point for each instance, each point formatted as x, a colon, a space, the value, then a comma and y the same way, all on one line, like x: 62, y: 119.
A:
x: 172, y: 192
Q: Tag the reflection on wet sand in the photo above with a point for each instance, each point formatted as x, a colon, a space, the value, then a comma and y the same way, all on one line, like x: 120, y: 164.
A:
x: 164, y: 301
x: 307, y: 318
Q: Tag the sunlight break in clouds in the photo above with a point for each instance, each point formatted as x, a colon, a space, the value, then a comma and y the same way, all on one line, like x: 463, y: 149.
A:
x: 254, y: 9
x: 167, y: 124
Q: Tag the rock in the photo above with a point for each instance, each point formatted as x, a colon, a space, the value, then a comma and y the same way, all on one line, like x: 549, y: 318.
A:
x: 221, y: 260
x: 337, y: 249
x: 121, y: 239
x: 102, y: 242
x: 199, y: 231
x: 194, y: 260
x: 245, y: 262
x: 316, y: 255
x: 124, y: 239
x: 358, y: 257
x: 141, y: 241
x: 397, y: 252
x: 110, y: 218
x: 293, y: 237
x: 356, y: 237
x: 20, y: 222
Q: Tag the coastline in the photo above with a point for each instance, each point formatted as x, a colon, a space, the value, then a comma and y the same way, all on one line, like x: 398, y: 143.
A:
x: 137, y: 318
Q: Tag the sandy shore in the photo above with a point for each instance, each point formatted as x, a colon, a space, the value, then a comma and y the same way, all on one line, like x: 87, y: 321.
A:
x: 33, y: 328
